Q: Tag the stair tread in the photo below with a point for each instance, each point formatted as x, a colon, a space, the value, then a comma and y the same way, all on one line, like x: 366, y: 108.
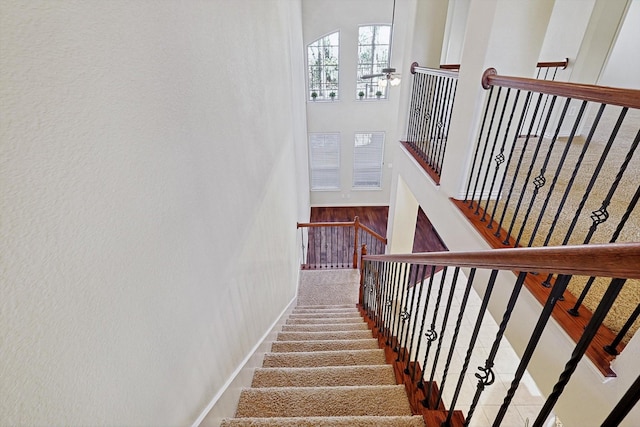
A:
x: 323, y: 401
x: 353, y: 421
x: 324, y: 376
x: 328, y: 335
x: 323, y: 345
x: 324, y: 320
x: 324, y: 358
x: 319, y: 315
x: 322, y: 327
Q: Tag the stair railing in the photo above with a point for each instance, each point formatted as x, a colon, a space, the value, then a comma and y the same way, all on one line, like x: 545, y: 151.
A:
x: 422, y: 324
x: 327, y: 245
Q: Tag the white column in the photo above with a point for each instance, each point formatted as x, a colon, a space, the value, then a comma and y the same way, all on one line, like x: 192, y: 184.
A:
x: 403, y: 212
x: 503, y: 34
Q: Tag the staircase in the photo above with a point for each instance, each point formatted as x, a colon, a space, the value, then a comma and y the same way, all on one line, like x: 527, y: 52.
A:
x: 325, y: 368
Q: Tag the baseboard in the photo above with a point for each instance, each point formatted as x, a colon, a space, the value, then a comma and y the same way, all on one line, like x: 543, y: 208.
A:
x: 224, y: 403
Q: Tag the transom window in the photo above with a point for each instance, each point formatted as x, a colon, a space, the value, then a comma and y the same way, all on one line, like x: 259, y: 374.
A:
x: 367, y: 160
x: 322, y: 59
x: 373, y: 56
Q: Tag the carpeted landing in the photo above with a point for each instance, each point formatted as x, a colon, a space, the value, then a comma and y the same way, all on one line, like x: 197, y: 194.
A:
x: 324, y: 369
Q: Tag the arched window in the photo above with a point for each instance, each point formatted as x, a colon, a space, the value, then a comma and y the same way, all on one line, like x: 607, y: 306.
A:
x: 322, y: 60
x: 373, y: 56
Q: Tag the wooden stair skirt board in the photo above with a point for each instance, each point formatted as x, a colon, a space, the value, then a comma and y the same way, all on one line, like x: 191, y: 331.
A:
x: 324, y: 370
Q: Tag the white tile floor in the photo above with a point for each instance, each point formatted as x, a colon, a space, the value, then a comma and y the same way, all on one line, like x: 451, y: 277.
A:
x: 527, y: 401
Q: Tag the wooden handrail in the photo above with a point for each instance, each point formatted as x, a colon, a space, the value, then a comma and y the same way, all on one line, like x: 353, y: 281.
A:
x: 325, y: 224
x: 620, y: 260
x: 542, y: 64
x: 602, y: 94
x: 415, y: 68
x: 373, y: 233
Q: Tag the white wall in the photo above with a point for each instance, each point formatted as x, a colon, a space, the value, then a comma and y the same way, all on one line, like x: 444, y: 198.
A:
x: 148, y: 202
x: 623, y: 66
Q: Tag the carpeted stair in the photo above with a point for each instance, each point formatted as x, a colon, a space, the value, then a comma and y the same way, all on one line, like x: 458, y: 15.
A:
x: 324, y: 369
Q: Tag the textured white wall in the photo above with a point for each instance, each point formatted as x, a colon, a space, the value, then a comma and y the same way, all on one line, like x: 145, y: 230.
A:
x: 148, y: 202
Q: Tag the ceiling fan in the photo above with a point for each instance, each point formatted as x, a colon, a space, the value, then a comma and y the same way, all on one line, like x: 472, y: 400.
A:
x: 389, y: 73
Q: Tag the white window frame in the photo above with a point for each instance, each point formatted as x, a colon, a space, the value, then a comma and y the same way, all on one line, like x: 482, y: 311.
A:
x: 371, y: 165
x: 329, y: 74
x: 324, y: 163
x: 374, y: 66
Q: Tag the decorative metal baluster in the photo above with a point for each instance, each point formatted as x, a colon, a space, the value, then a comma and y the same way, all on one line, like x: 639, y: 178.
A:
x: 427, y: 334
x: 526, y: 180
x: 432, y: 334
x: 539, y: 181
x: 624, y: 405
x: 558, y: 168
x: 402, y: 308
x: 433, y: 98
x: 382, y: 298
x: 506, y: 168
x: 388, y: 302
x: 475, y: 156
x: 556, y: 292
x: 393, y: 303
x: 476, y: 195
x: 445, y: 318
x: 419, y: 268
x: 486, y: 377
x: 493, y: 146
x: 439, y: 121
x: 450, y: 100
x: 424, y: 128
x: 590, y: 331
x: 611, y: 348
x: 601, y: 215
x: 454, y: 338
x: 424, y: 271
x: 412, y: 109
x: 411, y: 309
x: 424, y: 318
x: 500, y: 158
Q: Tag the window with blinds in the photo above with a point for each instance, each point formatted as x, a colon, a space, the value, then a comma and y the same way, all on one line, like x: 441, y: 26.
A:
x: 367, y: 160
x: 324, y: 161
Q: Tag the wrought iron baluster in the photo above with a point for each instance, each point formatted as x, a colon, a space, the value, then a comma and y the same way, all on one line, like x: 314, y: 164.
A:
x: 475, y: 156
x: 601, y: 215
x: 432, y: 334
x: 454, y: 338
x: 528, y: 177
x: 424, y: 318
x: 539, y: 181
x: 485, y: 378
x: 411, y: 309
x: 493, y: 146
x: 500, y: 158
x: 415, y: 309
x: 443, y: 328
x: 611, y: 348
x: 624, y: 405
x: 488, y: 374
x: 506, y: 168
x: 402, y: 308
x: 475, y: 194
x: 556, y: 292
x: 450, y: 100
x: 393, y: 302
x: 427, y: 334
x: 413, y: 374
x: 581, y: 347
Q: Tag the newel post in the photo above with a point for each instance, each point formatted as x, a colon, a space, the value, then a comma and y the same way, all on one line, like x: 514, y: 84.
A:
x: 356, y: 227
x: 361, y: 295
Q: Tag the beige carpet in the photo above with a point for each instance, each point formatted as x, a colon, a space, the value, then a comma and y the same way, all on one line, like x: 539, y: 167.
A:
x: 325, y: 371
x: 629, y: 298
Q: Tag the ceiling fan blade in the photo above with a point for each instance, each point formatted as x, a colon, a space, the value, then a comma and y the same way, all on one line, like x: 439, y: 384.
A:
x: 370, y: 76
